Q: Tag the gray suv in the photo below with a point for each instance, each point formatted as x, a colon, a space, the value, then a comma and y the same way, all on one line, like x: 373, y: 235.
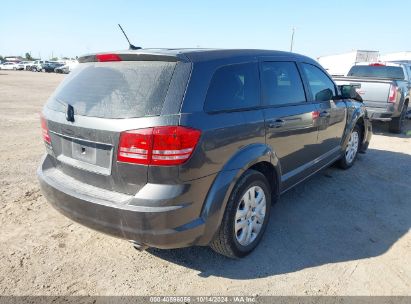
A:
x: 179, y: 147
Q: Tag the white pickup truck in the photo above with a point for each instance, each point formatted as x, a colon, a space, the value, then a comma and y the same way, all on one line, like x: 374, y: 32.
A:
x: 385, y: 88
x: 37, y: 65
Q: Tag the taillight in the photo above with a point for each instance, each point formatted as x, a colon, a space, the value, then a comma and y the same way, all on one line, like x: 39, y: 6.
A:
x: 162, y: 146
x: 107, y: 57
x: 173, y: 145
x: 45, y: 130
x: 135, y: 146
x: 392, y: 97
x: 315, y: 115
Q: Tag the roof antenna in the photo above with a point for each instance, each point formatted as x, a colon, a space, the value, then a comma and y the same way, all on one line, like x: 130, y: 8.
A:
x: 131, y: 47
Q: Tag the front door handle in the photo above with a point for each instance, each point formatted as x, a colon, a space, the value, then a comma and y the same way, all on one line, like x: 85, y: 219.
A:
x: 276, y: 124
x: 324, y: 114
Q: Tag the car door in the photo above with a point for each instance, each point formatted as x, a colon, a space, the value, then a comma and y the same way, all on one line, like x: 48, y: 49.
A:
x: 290, y: 128
x: 331, y: 114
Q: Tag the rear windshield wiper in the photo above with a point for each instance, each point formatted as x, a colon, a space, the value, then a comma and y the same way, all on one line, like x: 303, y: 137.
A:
x: 69, y: 109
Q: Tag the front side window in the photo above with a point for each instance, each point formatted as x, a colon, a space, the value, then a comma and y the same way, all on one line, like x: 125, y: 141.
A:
x: 322, y: 87
x: 233, y: 87
x: 281, y: 83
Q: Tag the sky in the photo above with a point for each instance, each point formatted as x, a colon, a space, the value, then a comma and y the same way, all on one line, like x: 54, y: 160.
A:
x: 73, y: 28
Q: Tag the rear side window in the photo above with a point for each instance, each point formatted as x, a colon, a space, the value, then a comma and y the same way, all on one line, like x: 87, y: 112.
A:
x: 281, y: 83
x: 376, y: 71
x: 321, y: 86
x: 115, y: 90
x: 233, y: 87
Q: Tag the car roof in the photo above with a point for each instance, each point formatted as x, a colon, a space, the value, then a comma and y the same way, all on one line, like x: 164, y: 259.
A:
x: 201, y: 54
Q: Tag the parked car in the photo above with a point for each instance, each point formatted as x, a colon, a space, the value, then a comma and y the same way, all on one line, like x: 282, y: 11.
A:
x: 8, y: 66
x: 63, y: 69
x: 18, y: 67
x: 24, y: 64
x: 385, y: 88
x: 175, y: 148
x: 37, y: 66
x: 67, y: 68
x: 51, y: 66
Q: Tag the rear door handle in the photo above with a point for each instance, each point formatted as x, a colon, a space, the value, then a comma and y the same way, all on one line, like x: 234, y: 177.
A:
x: 276, y: 123
x: 324, y: 114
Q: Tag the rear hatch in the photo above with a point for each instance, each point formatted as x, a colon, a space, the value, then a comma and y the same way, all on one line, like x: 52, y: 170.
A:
x: 108, y: 98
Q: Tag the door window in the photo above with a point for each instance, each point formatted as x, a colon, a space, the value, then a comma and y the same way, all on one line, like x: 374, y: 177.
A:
x: 322, y: 87
x: 281, y: 83
x: 233, y: 87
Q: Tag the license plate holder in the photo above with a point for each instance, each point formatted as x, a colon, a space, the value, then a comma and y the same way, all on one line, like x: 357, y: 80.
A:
x: 84, y: 151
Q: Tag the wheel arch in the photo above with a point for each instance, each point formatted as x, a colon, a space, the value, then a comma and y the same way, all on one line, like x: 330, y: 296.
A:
x: 259, y: 157
x: 357, y: 116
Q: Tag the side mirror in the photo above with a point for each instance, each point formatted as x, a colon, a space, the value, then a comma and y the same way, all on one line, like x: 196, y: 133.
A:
x: 349, y: 92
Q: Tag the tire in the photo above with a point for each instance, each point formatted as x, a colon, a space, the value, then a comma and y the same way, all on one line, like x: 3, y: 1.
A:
x: 237, y: 241
x: 396, y: 124
x: 352, y: 149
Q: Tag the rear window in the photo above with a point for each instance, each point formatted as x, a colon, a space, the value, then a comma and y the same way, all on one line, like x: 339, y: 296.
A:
x: 391, y: 72
x: 233, y: 87
x: 115, y: 90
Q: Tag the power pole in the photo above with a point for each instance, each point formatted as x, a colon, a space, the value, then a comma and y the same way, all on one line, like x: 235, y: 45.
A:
x: 292, y: 39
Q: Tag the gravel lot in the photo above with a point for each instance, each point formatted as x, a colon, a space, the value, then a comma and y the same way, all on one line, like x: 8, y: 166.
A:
x: 339, y: 233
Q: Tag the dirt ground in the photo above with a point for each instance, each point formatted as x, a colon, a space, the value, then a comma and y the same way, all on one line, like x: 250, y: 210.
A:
x: 339, y: 233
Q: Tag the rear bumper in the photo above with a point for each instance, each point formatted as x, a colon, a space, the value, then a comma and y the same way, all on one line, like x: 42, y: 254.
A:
x: 170, y: 222
x: 384, y: 113
x: 379, y: 114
